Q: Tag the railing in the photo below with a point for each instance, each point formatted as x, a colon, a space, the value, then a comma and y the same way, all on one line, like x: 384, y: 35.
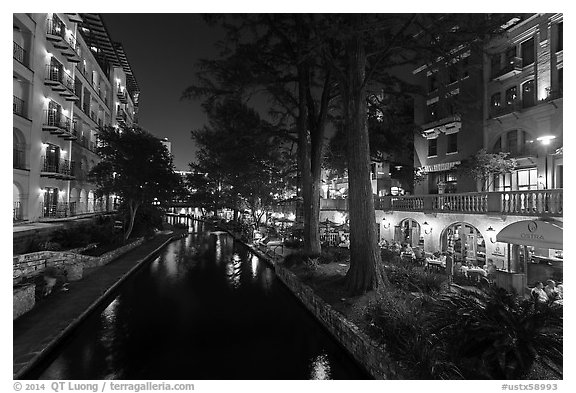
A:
x: 16, y: 211
x: 19, y: 54
x: 55, y: 28
x: 53, y: 118
x: 498, y: 111
x: 18, y: 106
x: 533, y: 202
x: 62, y: 166
x: 514, y: 65
x: 19, y: 156
x: 55, y: 74
x: 54, y: 210
x: 333, y: 204
x: 330, y: 237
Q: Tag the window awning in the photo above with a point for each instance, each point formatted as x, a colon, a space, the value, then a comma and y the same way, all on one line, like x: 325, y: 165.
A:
x: 535, y: 233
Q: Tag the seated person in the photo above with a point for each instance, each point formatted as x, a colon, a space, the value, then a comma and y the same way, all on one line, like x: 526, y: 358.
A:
x: 551, y: 290
x: 538, y: 293
x: 560, y: 291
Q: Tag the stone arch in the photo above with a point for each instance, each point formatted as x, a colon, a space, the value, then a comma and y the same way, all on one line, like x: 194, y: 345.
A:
x: 90, y: 201
x: 83, y: 204
x: 468, y: 243
x: 408, y: 231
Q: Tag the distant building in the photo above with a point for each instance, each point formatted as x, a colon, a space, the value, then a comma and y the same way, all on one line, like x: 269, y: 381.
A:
x: 70, y: 80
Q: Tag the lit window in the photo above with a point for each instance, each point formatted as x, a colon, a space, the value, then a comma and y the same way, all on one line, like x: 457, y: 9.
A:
x: 511, y: 95
x: 527, y: 179
x: 495, y: 101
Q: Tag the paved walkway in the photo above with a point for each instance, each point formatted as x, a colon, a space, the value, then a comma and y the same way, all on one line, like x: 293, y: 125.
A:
x: 40, y: 329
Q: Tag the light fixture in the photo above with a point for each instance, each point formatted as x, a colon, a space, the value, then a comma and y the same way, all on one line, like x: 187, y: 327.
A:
x: 545, y: 140
x: 385, y: 223
x: 491, y: 231
x: 427, y: 228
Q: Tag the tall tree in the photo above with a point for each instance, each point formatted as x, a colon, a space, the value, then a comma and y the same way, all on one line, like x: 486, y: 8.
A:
x: 135, y: 166
x: 276, y: 56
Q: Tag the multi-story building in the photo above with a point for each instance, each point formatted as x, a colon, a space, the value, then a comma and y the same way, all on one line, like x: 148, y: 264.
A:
x: 65, y: 82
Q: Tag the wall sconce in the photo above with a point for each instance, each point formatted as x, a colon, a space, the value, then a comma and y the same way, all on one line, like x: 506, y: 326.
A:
x: 491, y: 231
x: 385, y: 223
x: 427, y: 228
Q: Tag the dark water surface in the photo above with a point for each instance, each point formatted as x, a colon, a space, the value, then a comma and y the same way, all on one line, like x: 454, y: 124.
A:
x: 205, y: 308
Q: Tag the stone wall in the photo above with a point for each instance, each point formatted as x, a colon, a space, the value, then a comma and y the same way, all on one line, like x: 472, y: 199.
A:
x: 34, y: 264
x: 366, y: 352
x: 23, y: 299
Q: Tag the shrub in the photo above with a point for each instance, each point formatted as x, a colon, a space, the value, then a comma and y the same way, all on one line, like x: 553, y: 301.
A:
x: 496, y: 335
x: 416, y: 279
x: 334, y: 254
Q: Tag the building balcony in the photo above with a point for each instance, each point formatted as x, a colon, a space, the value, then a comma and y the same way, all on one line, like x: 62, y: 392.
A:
x: 56, y: 123
x: 61, y: 82
x: 122, y: 96
x: 334, y: 204
x: 54, y: 210
x: 121, y: 116
x: 505, y: 110
x: 56, y: 33
x: 514, y: 67
x: 20, y: 54
x: 72, y: 52
x: 57, y: 169
x: 520, y: 203
x: 19, y: 106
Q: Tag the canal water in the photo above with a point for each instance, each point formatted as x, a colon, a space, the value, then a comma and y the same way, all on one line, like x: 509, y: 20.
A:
x: 205, y: 308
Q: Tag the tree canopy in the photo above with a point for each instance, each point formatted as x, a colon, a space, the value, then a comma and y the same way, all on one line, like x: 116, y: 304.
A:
x: 135, y: 166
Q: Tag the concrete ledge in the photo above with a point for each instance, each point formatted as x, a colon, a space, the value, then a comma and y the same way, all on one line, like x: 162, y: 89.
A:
x: 23, y: 299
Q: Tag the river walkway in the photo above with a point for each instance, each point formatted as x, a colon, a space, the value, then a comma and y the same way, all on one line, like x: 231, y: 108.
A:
x: 39, y: 330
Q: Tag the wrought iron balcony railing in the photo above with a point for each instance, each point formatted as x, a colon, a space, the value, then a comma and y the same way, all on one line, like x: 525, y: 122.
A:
x: 57, y: 168
x: 56, y: 120
x: 513, y: 67
x: 18, y: 106
x: 54, y: 210
x: 19, y: 54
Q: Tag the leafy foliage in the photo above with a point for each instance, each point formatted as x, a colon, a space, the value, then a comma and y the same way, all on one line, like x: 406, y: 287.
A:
x: 136, y: 166
x: 240, y: 158
x: 484, y: 166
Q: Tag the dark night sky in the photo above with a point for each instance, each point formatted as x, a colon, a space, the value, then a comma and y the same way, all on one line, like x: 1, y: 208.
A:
x: 162, y: 50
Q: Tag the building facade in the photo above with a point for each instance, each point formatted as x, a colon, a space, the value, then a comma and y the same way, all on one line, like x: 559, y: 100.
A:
x: 66, y: 71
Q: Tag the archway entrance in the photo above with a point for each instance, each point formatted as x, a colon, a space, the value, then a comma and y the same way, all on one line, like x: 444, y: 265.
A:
x: 469, y: 245
x: 408, y: 231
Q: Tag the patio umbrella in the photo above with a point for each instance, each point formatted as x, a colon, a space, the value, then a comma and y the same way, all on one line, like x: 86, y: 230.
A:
x: 327, y: 223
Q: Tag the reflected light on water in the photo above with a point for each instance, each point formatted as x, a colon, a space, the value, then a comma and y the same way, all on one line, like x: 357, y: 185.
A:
x: 154, y: 265
x: 109, y: 314
x: 320, y: 367
x: 233, y: 271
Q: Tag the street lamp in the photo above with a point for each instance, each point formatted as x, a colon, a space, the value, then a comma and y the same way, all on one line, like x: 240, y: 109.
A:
x: 545, y: 141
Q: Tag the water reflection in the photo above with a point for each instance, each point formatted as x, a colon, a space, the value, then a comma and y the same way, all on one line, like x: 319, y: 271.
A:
x: 320, y: 367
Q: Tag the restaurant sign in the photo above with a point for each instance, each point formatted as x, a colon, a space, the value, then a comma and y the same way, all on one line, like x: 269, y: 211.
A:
x: 445, y: 166
x: 533, y: 233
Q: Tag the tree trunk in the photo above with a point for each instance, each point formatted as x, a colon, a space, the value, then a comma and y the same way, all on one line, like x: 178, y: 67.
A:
x: 133, y: 209
x: 366, y: 270
x: 304, y: 156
